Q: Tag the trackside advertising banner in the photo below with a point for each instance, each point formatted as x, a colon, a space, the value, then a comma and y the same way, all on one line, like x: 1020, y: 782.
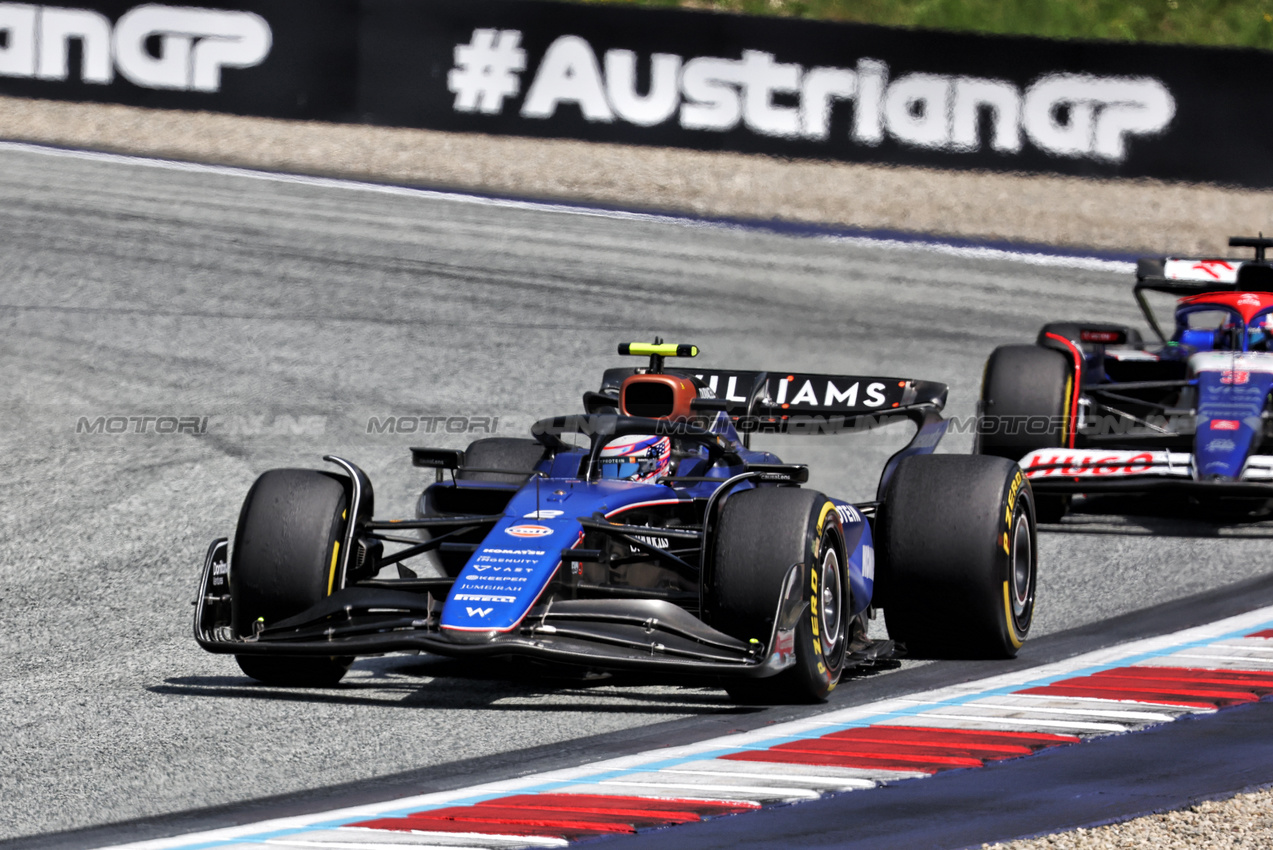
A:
x: 276, y: 58
x: 668, y: 77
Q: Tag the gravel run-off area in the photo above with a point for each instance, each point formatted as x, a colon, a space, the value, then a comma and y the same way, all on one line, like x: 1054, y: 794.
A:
x: 1244, y: 821
x: 1115, y: 215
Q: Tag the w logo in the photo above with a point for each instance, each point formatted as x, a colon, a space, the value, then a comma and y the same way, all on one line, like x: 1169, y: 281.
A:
x: 478, y: 612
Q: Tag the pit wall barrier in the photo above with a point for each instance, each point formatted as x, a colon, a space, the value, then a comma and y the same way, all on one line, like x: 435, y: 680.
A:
x: 672, y: 78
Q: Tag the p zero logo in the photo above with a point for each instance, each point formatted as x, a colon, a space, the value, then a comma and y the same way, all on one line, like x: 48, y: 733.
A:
x: 1224, y: 424
x: 1234, y: 376
x: 190, y: 46
x: 529, y: 531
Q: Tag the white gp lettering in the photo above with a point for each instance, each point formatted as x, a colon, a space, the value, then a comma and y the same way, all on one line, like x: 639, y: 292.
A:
x: 1100, y: 113
x: 194, y: 44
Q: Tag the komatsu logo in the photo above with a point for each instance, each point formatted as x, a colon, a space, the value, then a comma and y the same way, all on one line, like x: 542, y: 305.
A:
x: 152, y: 46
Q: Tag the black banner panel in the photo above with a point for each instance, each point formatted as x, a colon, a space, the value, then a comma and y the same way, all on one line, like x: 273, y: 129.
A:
x: 275, y: 58
x: 699, y: 80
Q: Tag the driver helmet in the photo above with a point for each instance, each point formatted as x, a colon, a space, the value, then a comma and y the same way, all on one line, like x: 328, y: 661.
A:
x: 1259, y: 336
x: 641, y: 457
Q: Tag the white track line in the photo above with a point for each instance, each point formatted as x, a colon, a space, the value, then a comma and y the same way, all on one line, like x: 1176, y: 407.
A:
x: 935, y: 245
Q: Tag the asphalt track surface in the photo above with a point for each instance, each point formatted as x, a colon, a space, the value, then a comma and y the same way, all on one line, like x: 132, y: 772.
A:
x: 289, y: 314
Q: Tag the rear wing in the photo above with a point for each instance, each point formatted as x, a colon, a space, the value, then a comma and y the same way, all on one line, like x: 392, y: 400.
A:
x: 1184, y: 276
x: 800, y: 402
x: 1190, y: 274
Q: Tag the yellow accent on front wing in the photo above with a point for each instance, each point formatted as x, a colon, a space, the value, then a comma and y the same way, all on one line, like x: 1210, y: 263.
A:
x: 331, y: 576
x: 1007, y: 613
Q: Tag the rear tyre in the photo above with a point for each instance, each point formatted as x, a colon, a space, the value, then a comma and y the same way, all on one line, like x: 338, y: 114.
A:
x: 518, y: 458
x: 761, y: 534
x: 515, y: 457
x: 1026, y: 396
x: 958, y: 556
x: 283, y: 562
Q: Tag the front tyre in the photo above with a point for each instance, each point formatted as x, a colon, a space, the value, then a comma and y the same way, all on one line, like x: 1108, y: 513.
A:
x: 761, y: 534
x: 286, y: 549
x: 959, y: 557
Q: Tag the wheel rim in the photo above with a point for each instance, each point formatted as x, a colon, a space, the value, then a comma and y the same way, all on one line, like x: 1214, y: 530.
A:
x: 1022, y: 569
x: 829, y: 602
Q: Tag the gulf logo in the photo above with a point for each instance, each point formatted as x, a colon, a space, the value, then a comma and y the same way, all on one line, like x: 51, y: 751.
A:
x: 528, y: 530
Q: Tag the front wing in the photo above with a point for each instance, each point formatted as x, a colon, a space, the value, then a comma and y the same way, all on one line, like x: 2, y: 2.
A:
x: 601, y: 634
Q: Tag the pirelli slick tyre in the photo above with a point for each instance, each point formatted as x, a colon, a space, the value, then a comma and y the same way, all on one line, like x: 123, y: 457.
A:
x: 761, y: 534
x: 1027, y: 394
x: 284, y: 560
x: 958, y: 556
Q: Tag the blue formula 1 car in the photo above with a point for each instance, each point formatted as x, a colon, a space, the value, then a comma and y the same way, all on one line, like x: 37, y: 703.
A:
x: 642, y: 534
x: 1091, y: 409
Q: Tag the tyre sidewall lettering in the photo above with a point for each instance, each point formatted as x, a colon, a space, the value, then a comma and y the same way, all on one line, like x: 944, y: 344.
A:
x: 818, y: 666
x: 1018, y: 502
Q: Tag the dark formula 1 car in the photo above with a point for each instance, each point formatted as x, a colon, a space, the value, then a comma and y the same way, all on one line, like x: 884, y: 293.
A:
x: 1090, y: 409
x: 661, y: 543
